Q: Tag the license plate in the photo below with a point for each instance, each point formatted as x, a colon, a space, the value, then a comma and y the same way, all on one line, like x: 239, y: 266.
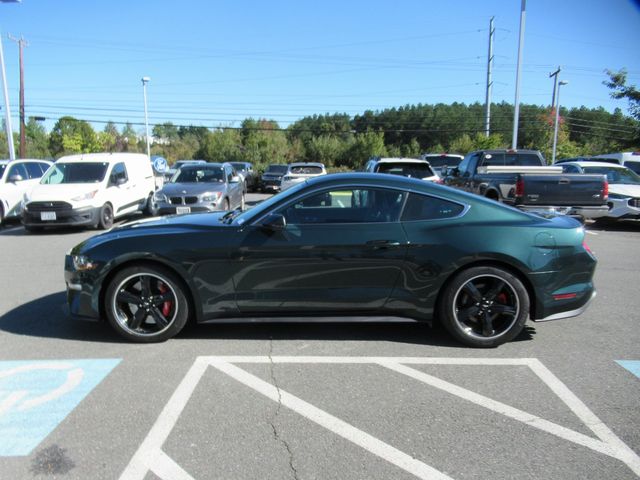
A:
x: 181, y: 210
x: 44, y: 216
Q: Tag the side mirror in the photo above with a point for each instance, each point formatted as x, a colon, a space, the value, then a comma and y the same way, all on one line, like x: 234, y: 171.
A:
x: 235, y: 179
x: 15, y: 178
x: 274, y: 222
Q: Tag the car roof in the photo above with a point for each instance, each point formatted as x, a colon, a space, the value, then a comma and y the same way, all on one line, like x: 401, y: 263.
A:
x: 443, y: 155
x: 6, y: 162
x: 581, y: 163
x: 102, y: 157
x: 308, y: 164
x: 401, y: 159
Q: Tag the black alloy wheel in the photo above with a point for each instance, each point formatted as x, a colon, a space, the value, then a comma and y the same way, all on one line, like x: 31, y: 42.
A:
x: 484, y: 306
x: 146, y: 303
x: 105, y: 219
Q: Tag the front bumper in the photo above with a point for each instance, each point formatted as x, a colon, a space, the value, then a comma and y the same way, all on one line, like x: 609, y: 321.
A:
x: 82, y: 298
x: 168, y: 209
x: 85, y: 216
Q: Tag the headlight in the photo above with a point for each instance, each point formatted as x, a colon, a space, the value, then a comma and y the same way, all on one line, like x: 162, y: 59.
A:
x: 82, y: 263
x: 159, y: 197
x: 86, y: 196
x: 211, y: 196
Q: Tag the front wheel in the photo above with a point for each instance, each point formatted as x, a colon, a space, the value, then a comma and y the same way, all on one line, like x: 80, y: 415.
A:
x: 484, y: 306
x: 146, y: 304
x: 105, y: 218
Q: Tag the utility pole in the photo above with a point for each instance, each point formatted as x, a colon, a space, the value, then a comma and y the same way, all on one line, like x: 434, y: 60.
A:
x: 516, y: 112
x: 7, y: 111
x: 23, y: 143
x: 487, y: 122
x: 555, y: 88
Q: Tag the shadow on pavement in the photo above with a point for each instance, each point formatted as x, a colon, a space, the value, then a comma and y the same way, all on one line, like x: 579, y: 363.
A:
x: 615, y: 226
x: 47, y: 317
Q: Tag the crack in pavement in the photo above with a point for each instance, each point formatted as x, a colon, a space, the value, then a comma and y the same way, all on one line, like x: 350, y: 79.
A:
x: 274, y: 418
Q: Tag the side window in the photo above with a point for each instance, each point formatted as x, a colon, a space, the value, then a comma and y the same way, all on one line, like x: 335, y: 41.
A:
x: 467, y: 163
x: 119, y: 172
x: 493, y: 159
x: 362, y: 205
x: 18, y: 169
x: 423, y: 207
x: 33, y: 169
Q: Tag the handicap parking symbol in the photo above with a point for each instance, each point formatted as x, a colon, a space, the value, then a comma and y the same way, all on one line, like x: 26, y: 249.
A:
x: 35, y: 396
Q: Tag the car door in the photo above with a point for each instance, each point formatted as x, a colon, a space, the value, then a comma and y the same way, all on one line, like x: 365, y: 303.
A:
x: 17, y: 183
x: 341, y: 250
x: 235, y: 189
x: 120, y: 192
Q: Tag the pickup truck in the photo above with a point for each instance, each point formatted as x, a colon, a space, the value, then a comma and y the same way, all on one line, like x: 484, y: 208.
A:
x: 520, y: 178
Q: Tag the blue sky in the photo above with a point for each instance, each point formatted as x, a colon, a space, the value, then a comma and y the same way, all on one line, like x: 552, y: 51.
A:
x: 217, y: 62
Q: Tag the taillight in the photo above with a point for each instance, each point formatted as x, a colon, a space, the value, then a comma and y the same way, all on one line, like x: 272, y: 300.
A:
x: 520, y: 187
x: 586, y: 247
x: 605, y: 190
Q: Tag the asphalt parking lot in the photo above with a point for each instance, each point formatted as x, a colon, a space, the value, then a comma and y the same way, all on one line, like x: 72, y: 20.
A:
x: 315, y: 401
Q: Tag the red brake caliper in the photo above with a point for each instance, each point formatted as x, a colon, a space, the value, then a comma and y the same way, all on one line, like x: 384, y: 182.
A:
x: 166, y: 306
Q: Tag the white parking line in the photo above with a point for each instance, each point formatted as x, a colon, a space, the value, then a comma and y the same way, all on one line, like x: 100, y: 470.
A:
x: 150, y: 457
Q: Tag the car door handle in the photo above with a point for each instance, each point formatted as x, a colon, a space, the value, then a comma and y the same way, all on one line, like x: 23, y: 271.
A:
x: 382, y: 243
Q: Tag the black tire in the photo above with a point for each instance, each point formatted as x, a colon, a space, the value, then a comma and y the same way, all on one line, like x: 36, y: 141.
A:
x: 105, y: 219
x: 149, y: 209
x: 153, y: 291
x: 484, y: 306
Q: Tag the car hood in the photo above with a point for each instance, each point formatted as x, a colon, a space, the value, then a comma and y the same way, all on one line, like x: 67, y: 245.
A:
x: 172, y: 224
x: 192, y: 188
x: 624, y: 189
x: 63, y: 192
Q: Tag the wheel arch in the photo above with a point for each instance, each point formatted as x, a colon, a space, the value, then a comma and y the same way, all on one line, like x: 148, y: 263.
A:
x: 490, y: 262
x: 188, y: 291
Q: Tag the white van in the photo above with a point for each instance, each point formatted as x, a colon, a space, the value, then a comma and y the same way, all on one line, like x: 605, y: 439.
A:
x: 91, y: 189
x: 630, y: 160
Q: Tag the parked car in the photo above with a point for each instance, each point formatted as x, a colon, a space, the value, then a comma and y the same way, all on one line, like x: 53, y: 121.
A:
x: 630, y: 160
x: 16, y: 179
x: 440, y: 162
x: 521, y: 178
x: 90, y: 190
x: 170, y: 172
x: 408, y: 167
x: 299, y: 172
x: 624, y: 187
x: 272, y: 177
x: 245, y: 170
x: 343, y: 244
x: 201, y: 188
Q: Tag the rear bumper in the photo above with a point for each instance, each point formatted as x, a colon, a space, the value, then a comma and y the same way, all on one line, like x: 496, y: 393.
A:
x: 568, y: 313
x: 584, y: 212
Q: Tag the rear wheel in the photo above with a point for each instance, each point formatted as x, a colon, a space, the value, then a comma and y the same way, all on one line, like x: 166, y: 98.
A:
x: 484, y: 306
x: 105, y: 219
x: 146, y: 304
x: 149, y: 209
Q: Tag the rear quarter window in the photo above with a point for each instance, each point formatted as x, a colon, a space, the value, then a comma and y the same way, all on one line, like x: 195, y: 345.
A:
x: 424, y: 207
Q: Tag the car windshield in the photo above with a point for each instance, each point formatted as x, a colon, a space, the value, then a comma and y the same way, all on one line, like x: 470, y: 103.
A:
x: 443, y: 161
x: 616, y: 175
x: 192, y: 174
x: 407, y: 169
x: 276, y: 169
x: 306, y: 169
x: 75, y: 173
x: 240, y: 167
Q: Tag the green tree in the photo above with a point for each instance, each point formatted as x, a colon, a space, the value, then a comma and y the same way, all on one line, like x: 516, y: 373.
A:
x: 364, y: 146
x: 130, y: 139
x: 618, y: 83
x: 70, y: 135
x: 37, y: 140
x: 463, y: 144
x: 223, y: 145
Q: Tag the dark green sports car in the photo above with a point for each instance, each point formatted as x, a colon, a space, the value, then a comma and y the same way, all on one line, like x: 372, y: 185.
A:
x: 338, y: 245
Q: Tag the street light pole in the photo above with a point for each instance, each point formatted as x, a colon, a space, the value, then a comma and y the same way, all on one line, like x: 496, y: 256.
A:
x: 145, y: 80
x: 555, y: 130
x: 7, y: 110
x: 516, y: 112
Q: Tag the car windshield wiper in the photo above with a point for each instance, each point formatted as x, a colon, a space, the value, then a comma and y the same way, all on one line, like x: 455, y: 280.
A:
x: 230, y: 215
